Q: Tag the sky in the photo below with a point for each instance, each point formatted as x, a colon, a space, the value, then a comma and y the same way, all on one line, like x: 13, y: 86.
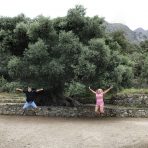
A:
x: 133, y: 13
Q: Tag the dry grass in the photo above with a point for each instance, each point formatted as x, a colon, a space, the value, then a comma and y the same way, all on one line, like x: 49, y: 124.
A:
x: 4, y: 95
x: 134, y: 91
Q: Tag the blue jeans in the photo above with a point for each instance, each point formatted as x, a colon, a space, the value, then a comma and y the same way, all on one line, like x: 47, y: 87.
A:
x: 29, y: 105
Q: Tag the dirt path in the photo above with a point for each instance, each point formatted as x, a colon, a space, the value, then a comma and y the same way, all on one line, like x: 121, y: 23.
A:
x: 43, y: 132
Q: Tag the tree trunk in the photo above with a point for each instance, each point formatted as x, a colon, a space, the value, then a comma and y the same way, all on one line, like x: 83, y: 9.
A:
x: 47, y: 98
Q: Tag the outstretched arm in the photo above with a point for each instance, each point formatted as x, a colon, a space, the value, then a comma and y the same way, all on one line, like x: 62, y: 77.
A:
x: 92, y: 90
x: 18, y: 89
x: 38, y: 90
x: 107, y: 90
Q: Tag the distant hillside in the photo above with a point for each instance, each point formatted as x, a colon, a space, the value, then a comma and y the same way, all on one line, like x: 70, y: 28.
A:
x: 135, y: 36
x: 141, y: 34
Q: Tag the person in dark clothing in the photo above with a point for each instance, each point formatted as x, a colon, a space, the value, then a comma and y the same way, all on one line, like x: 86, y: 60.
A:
x: 30, y: 97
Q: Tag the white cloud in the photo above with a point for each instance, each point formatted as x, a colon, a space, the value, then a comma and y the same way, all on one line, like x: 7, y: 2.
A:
x: 133, y: 13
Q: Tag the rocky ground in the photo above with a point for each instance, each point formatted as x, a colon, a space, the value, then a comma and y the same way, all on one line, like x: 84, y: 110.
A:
x: 45, y: 132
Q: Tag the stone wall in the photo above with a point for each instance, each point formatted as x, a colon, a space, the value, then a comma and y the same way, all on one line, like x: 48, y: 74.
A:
x: 81, y: 111
x: 138, y: 100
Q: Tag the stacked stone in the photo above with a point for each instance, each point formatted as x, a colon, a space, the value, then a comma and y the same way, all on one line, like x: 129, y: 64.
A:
x: 120, y: 106
x: 133, y: 105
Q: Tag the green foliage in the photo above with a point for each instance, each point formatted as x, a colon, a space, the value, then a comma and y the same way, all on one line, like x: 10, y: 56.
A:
x: 42, y: 27
x: 14, y: 67
x: 68, y: 52
x: 93, y: 28
x: 21, y: 38
x: 84, y: 70
x: 60, y: 24
x: 72, y: 50
x: 144, y: 45
x: 145, y: 70
x: 75, y: 89
x: 100, y: 52
x: 8, y: 23
x: 120, y: 38
x: 123, y: 75
x: 76, y: 19
x: 6, y: 40
x: 85, y: 28
x: 36, y: 53
x: 8, y: 86
x: 4, y: 58
x: 11, y: 86
x: 3, y: 81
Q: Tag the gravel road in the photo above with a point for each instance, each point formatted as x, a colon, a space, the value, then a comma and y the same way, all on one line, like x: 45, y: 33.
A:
x: 45, y: 132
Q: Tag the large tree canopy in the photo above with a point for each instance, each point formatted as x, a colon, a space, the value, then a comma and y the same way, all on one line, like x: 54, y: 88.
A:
x: 67, y: 54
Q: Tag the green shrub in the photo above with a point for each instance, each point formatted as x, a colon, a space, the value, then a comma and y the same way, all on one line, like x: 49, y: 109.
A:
x: 3, y: 81
x: 10, y: 86
x: 75, y: 89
